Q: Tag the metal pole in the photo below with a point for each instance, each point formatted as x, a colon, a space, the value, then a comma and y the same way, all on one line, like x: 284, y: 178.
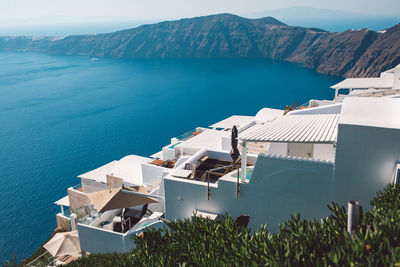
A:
x: 237, y: 185
x: 353, y: 215
x: 208, y: 178
x: 208, y: 185
x: 244, y: 162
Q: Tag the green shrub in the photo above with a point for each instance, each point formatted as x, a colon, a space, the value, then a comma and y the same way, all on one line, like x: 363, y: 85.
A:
x: 203, y: 242
x: 106, y: 259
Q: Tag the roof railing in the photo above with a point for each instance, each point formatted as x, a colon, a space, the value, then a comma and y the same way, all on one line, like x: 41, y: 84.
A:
x: 207, y: 173
x: 185, y: 136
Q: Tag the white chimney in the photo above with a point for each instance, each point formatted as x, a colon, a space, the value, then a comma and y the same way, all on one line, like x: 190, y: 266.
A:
x: 396, y: 82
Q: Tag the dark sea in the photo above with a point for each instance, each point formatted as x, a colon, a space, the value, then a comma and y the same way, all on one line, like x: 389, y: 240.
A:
x: 61, y: 116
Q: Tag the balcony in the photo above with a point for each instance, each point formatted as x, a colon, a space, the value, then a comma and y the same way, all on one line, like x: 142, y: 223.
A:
x: 112, y: 231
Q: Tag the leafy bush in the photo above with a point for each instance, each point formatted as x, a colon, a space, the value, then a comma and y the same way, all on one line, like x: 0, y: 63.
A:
x: 289, y: 108
x: 375, y: 242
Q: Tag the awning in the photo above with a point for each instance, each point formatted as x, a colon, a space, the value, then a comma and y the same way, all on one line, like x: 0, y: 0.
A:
x: 116, y: 198
x: 63, y: 201
x: 317, y: 128
x: 365, y: 83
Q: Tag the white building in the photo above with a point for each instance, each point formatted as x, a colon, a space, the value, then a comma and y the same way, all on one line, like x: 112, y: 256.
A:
x: 299, y: 162
x: 312, y: 160
x: 387, y: 84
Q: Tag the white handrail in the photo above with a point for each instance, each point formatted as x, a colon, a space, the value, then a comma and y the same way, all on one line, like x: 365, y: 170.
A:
x: 30, y: 264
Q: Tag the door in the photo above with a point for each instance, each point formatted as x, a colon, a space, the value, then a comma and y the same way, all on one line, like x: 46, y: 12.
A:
x: 303, y: 150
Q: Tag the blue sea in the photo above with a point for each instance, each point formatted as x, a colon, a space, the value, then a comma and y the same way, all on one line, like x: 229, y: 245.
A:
x: 61, y: 116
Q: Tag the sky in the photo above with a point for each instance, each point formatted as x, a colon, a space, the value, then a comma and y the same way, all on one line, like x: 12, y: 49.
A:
x: 70, y: 11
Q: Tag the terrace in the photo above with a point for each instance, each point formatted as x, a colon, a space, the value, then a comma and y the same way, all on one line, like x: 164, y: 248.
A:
x: 135, y: 199
x: 111, y: 230
x: 106, y: 219
x: 208, y: 166
x: 209, y: 169
x: 120, y: 220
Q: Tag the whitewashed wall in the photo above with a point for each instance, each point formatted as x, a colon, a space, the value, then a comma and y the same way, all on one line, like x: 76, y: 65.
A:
x: 98, y: 240
x: 168, y: 153
x: 324, y: 151
x: 226, y: 143
x: 278, y: 148
x: 329, y: 109
x: 320, y: 151
x: 279, y: 187
x: 365, y: 161
x: 151, y: 173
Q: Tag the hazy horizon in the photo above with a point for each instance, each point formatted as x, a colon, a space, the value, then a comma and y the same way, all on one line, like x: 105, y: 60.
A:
x: 324, y: 19
x: 45, y: 18
x: 26, y: 12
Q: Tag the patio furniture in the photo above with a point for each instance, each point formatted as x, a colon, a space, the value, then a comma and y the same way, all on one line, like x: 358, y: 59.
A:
x: 157, y: 162
x: 63, y: 260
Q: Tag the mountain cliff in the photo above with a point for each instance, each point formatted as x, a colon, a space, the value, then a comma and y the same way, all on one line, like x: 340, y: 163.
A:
x: 350, y: 53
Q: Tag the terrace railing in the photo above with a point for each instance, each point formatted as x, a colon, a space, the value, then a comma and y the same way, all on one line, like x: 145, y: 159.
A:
x: 186, y: 136
x: 207, y: 173
x: 43, y: 260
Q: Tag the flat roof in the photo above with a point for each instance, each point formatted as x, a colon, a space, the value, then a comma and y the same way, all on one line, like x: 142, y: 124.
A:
x: 359, y: 83
x: 239, y: 121
x: 129, y: 168
x: 209, y: 139
x: 63, y: 201
x: 371, y: 111
x: 99, y: 174
x: 313, y: 128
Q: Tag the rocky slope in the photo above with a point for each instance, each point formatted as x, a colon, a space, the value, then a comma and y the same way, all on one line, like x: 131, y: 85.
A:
x: 350, y: 53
